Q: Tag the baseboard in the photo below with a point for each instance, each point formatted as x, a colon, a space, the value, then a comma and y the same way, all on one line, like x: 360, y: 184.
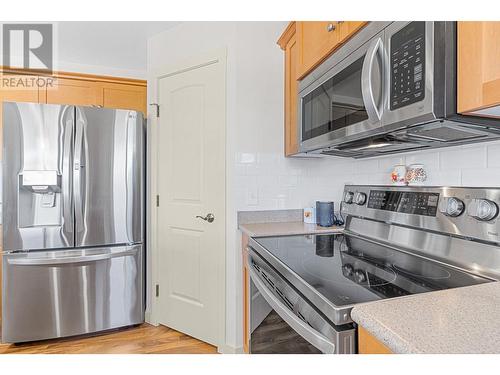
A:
x: 227, y: 349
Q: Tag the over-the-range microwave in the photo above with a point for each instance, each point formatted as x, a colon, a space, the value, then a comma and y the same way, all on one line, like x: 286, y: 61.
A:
x: 391, y: 88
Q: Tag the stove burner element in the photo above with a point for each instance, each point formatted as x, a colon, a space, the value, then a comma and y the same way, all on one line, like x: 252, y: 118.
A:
x: 427, y: 271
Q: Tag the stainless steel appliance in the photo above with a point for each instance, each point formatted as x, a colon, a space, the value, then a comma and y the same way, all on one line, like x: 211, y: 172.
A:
x: 391, y: 88
x: 397, y: 241
x: 73, y: 220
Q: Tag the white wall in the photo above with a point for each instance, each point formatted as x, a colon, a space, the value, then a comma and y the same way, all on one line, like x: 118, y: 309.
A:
x: 258, y: 176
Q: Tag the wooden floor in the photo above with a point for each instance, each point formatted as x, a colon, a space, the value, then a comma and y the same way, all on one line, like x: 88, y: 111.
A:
x: 143, y: 339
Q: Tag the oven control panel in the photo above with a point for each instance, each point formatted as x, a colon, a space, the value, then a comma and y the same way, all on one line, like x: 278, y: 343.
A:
x: 407, y: 202
x: 408, y: 65
x: 470, y: 212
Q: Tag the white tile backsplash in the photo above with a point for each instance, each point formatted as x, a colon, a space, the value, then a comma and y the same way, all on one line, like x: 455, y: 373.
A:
x: 296, y: 183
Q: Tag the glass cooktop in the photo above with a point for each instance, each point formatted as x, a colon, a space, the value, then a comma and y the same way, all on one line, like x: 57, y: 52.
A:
x: 348, y: 270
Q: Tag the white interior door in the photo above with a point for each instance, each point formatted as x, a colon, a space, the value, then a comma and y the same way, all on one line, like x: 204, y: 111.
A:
x: 191, y: 183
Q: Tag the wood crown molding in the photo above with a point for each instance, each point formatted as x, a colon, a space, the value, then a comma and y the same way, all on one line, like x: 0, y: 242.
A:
x: 287, y: 34
x: 80, y: 76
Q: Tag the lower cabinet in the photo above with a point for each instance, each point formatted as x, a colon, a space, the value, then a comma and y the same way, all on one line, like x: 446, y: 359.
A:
x: 246, y: 291
x: 367, y: 344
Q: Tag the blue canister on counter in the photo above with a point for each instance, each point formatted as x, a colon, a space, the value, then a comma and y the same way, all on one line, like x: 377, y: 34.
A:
x: 324, y: 214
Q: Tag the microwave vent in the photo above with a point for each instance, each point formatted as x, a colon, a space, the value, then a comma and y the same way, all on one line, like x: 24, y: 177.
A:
x: 445, y: 133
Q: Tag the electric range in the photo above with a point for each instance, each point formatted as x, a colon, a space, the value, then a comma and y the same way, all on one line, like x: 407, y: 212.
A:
x: 398, y: 241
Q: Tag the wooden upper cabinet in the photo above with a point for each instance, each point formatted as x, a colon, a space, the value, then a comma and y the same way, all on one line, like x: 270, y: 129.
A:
x: 478, y: 68
x: 316, y: 40
x: 73, y: 91
x: 288, y: 43
x: 122, y: 96
x: 96, y: 93
x: 306, y: 45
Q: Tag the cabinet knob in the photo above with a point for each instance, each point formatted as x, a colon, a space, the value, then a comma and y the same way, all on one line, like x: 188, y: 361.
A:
x: 330, y: 27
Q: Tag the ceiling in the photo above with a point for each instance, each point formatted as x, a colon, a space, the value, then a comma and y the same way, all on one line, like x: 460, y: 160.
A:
x: 114, y: 44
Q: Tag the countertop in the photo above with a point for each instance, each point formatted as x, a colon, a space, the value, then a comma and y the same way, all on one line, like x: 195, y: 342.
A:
x: 460, y: 320
x: 285, y: 228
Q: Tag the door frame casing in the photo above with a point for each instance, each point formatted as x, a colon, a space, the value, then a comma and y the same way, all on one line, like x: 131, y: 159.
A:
x: 216, y: 57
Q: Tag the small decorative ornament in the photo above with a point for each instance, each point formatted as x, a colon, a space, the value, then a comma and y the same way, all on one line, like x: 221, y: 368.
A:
x: 398, y: 175
x: 416, y: 174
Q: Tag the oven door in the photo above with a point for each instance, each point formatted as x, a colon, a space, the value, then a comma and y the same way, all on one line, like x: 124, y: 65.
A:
x: 283, y: 322
x: 346, y: 103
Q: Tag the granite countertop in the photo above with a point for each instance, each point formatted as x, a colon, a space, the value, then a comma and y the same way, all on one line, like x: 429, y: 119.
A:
x: 285, y: 228
x: 460, y: 320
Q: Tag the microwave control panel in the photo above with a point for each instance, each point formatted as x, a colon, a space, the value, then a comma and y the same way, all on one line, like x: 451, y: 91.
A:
x: 408, y: 65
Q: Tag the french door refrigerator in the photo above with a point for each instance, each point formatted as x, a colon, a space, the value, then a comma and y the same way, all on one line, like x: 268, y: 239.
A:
x: 73, y: 220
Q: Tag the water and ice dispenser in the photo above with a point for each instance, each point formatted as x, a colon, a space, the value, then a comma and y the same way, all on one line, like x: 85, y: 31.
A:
x: 39, y: 195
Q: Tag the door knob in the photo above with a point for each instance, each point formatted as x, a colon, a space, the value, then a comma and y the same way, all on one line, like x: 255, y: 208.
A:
x: 210, y: 217
x: 330, y: 27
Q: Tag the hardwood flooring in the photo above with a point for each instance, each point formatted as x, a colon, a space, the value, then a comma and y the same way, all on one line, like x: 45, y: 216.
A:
x: 143, y: 339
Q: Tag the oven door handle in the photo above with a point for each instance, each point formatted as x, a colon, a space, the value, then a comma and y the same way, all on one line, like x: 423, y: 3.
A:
x: 374, y: 113
x: 298, y: 325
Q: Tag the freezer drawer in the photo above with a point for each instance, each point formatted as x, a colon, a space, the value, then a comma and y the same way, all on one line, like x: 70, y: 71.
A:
x: 71, y: 292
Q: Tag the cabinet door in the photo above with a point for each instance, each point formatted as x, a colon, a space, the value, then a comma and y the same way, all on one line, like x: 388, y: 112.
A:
x: 348, y: 29
x: 291, y: 88
x: 122, y: 96
x: 367, y: 344
x: 73, y: 91
x: 478, y: 68
x: 316, y: 40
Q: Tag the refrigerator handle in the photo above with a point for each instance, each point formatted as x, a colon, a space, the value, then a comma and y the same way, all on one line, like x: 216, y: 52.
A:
x: 52, y: 261
x: 129, y: 169
x: 66, y: 176
x: 77, y: 173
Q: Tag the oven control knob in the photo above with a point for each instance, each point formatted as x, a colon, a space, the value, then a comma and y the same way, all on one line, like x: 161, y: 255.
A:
x: 348, y: 197
x: 360, y: 198
x: 453, y: 207
x: 482, y: 209
x: 348, y: 269
x: 359, y: 276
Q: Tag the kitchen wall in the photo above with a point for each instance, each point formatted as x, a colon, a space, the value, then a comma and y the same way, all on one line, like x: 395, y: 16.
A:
x: 259, y: 177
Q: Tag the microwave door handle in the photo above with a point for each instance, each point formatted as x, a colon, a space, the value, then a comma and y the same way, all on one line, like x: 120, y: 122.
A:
x: 374, y: 113
x: 302, y: 328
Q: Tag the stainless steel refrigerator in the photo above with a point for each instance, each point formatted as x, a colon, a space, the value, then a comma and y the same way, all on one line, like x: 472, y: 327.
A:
x: 73, y: 220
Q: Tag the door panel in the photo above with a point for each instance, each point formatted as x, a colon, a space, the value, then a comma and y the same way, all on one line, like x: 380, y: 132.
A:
x: 37, y: 204
x: 191, y: 182
x: 65, y: 293
x: 109, y: 176
x: 15, y: 95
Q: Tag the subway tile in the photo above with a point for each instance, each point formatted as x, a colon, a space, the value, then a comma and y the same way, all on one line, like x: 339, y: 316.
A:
x: 463, y: 158
x: 386, y: 164
x: 493, y: 155
x: 484, y: 177
x: 430, y: 159
x: 436, y: 177
x: 365, y: 166
x: 287, y: 181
